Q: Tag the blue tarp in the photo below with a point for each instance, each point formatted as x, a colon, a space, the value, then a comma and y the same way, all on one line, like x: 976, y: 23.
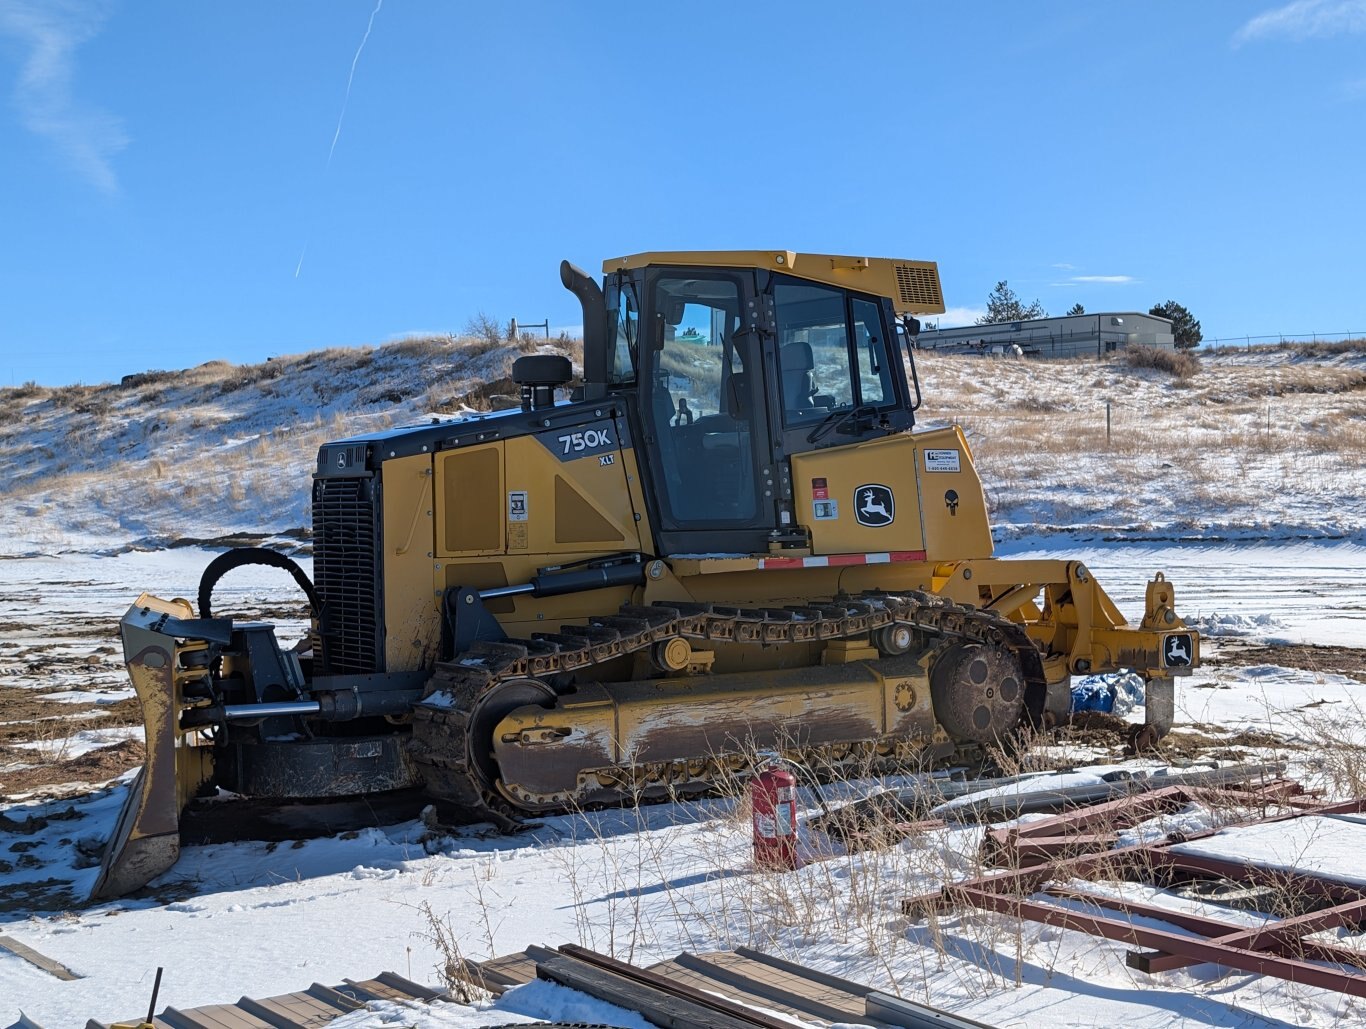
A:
x: 1115, y: 693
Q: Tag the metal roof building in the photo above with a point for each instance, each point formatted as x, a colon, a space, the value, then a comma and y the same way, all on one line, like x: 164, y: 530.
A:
x: 1078, y: 335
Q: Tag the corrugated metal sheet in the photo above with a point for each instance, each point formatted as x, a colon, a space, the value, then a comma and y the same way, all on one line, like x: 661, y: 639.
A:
x: 305, y: 1009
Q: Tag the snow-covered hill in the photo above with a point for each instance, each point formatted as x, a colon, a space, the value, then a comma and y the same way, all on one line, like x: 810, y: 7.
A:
x: 220, y: 450
x: 1268, y: 445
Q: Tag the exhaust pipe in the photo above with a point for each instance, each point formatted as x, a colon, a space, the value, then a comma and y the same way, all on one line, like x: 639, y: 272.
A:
x: 578, y: 282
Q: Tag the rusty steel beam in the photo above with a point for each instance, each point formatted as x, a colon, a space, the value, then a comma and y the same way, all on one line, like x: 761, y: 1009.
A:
x: 1110, y: 864
x: 1293, y: 883
x: 1278, y: 948
x: 1006, y: 845
x: 1242, y: 959
x: 1113, y: 814
x: 1121, y: 862
x: 1186, y: 920
x: 1028, y: 880
x: 1033, y: 850
x: 1282, y: 936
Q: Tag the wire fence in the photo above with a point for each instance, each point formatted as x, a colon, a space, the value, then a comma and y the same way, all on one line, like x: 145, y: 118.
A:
x: 1279, y: 339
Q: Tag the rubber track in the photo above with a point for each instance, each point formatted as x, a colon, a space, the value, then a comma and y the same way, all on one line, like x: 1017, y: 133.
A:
x: 440, y: 733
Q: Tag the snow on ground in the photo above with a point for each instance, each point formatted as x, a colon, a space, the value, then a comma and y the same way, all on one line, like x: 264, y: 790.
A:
x: 82, y: 742
x: 646, y: 885
x: 1243, y: 502
x: 1291, y: 591
x: 1329, y: 845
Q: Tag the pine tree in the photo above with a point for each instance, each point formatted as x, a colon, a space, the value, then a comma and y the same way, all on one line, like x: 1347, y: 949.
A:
x: 1185, y: 329
x: 1004, y: 305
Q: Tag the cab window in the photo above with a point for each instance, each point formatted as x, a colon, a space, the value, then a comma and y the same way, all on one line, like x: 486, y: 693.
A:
x: 832, y: 352
x: 624, y: 314
x: 874, y: 369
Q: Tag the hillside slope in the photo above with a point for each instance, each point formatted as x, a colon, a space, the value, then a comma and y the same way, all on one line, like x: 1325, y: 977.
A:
x: 1267, y: 445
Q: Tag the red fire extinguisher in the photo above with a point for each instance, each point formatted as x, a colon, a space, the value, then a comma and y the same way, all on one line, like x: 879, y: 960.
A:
x: 773, y: 801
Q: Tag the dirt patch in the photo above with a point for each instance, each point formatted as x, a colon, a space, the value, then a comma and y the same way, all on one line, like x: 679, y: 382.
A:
x: 1349, y: 661
x: 1099, y: 730
x: 96, y: 766
x: 45, y: 895
x: 1203, y: 742
x: 1188, y: 742
x: 264, y: 613
x: 29, y: 717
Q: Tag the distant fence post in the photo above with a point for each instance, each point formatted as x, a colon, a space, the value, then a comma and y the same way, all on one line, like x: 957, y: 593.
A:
x: 535, y: 325
x: 1107, y: 423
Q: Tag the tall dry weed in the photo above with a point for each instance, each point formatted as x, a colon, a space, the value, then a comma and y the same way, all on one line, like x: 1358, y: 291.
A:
x: 1180, y: 363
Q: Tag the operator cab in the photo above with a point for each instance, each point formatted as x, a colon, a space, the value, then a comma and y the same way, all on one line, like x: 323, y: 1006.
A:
x: 736, y: 364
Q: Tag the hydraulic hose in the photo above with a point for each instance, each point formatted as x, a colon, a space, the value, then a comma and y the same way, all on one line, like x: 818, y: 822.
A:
x: 240, y: 556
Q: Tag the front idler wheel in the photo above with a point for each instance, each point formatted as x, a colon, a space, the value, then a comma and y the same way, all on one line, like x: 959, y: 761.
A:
x: 504, y: 698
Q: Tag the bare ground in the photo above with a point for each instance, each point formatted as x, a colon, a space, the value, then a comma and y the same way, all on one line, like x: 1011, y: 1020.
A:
x: 96, y: 766
x: 1349, y: 661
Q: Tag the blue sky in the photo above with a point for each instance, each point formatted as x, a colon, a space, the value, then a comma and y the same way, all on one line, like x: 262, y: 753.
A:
x: 181, y: 182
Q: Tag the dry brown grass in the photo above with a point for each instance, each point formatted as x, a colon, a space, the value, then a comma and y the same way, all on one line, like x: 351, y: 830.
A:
x: 28, y: 391
x: 422, y: 347
x: 1313, y: 350
x: 1180, y: 363
x: 1218, y: 439
x: 1291, y: 379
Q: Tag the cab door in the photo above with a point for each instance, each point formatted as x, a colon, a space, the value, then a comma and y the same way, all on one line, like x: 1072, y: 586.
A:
x: 836, y: 380
x: 704, y: 413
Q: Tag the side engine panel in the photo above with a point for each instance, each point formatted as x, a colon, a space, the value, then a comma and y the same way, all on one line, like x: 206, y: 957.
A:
x: 915, y: 493
x: 395, y: 529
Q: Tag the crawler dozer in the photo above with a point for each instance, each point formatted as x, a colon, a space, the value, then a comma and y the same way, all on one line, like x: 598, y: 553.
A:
x: 730, y: 538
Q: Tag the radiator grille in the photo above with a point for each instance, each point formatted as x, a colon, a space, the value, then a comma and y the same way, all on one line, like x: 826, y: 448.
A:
x: 346, y: 574
x: 919, y: 287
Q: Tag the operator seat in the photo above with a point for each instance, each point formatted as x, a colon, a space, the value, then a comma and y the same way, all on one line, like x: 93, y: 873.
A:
x: 799, y: 382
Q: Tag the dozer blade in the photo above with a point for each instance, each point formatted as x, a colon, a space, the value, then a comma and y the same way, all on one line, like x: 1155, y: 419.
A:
x: 146, y: 838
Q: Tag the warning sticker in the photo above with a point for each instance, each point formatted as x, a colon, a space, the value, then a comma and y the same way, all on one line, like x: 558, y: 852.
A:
x: 519, y: 538
x: 825, y: 510
x: 819, y: 489
x: 941, y: 461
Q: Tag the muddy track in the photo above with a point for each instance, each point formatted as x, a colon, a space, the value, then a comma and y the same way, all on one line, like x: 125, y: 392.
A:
x: 449, y: 727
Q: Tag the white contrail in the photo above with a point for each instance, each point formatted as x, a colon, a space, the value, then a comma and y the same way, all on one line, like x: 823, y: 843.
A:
x: 342, y: 116
x: 350, y: 78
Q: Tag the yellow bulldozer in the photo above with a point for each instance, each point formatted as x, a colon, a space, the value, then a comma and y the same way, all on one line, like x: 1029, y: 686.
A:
x: 731, y: 538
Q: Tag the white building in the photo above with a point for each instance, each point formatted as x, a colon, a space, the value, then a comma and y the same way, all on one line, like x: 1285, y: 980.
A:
x: 1078, y: 335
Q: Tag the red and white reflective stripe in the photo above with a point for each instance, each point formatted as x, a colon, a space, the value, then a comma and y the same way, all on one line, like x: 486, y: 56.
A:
x: 841, y: 560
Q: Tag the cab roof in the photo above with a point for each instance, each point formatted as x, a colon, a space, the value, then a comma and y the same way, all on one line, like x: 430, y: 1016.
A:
x: 912, y: 286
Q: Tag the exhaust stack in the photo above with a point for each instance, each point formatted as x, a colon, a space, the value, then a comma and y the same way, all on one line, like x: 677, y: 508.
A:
x: 578, y: 282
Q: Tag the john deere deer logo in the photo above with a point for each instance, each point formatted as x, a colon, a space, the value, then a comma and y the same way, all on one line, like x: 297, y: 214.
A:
x: 874, y: 505
x: 1178, y: 651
